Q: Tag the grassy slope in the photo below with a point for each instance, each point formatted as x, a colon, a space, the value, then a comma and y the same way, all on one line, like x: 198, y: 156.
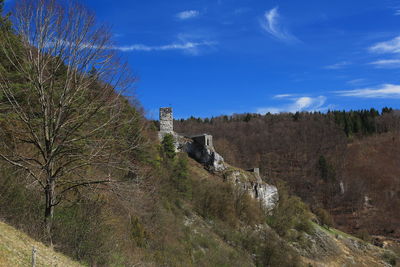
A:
x: 16, y: 250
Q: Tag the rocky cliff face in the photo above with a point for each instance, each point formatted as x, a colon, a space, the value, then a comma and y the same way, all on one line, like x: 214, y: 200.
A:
x: 212, y: 161
x: 206, y: 155
x: 253, y: 184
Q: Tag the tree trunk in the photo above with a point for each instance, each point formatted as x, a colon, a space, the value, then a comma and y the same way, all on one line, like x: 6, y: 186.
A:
x: 49, y: 210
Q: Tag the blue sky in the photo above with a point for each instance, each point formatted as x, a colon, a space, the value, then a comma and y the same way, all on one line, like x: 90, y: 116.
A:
x: 212, y: 57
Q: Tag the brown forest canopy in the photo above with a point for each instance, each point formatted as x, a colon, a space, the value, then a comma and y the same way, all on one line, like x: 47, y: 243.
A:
x: 317, y: 154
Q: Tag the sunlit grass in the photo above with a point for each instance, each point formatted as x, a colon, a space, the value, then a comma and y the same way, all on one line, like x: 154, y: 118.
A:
x: 16, y: 250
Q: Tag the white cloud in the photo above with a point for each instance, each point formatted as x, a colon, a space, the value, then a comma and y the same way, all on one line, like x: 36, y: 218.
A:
x: 304, y: 103
x: 190, y: 47
x: 386, y: 63
x: 187, y: 14
x: 283, y: 96
x: 337, y: 66
x: 397, y: 13
x: 272, y: 24
x: 391, y: 46
x: 382, y: 91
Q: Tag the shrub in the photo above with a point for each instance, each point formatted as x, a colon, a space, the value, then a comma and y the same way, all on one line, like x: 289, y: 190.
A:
x: 290, y: 213
x: 324, y: 217
x: 138, y: 232
x: 221, y: 200
x: 363, y: 235
x: 390, y: 258
x: 214, y: 200
x: 88, y: 238
x: 269, y: 249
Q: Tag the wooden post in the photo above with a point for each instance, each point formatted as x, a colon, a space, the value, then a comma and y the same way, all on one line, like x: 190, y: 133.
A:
x: 34, y: 257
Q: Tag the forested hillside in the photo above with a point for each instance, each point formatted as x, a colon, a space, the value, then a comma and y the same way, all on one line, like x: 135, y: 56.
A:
x: 82, y: 170
x: 333, y: 161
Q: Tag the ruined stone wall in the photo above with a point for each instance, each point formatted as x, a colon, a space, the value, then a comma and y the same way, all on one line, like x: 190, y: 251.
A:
x: 166, y: 120
x: 205, y: 140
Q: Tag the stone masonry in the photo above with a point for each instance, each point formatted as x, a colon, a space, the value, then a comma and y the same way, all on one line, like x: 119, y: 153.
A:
x: 166, y: 122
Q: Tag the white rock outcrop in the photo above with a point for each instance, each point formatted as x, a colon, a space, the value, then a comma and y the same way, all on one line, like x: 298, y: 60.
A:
x: 253, y: 184
x: 204, y: 154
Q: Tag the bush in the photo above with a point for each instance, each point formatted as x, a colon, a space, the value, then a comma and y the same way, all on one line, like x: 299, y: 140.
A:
x: 324, y: 217
x: 214, y: 200
x: 20, y: 202
x: 174, y: 184
x: 364, y: 235
x: 221, y: 200
x: 290, y: 213
x: 390, y: 258
x: 269, y: 249
x: 88, y: 238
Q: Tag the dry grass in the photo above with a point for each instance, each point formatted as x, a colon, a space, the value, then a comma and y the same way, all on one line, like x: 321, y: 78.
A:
x: 16, y: 250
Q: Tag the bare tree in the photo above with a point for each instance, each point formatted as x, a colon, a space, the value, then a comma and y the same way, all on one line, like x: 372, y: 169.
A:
x: 69, y: 121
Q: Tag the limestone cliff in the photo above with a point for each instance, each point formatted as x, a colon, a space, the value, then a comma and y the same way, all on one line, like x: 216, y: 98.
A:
x: 200, y: 148
x: 254, y: 185
x: 205, y: 155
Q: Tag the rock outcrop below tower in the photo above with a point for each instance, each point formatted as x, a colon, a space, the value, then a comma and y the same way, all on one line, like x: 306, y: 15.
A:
x: 200, y: 148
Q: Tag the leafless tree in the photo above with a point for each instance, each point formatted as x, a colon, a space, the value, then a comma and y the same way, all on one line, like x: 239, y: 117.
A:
x: 69, y: 102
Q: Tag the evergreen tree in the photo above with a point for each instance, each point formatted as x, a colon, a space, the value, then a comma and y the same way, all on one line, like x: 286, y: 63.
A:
x: 323, y: 167
x: 386, y: 110
x: 247, y: 118
x: 168, y: 146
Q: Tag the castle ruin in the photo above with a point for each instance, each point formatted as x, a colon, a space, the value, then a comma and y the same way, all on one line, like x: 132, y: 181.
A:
x: 203, y: 139
x: 201, y: 148
x: 166, y: 122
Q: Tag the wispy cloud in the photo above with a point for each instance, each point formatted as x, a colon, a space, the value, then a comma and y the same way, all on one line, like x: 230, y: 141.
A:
x: 187, y: 14
x: 339, y: 65
x: 272, y: 23
x: 386, y: 63
x: 357, y: 81
x: 397, y: 12
x: 303, y: 103
x: 382, y: 91
x: 189, y: 47
x: 282, y: 96
x: 391, y: 47
x: 387, y: 47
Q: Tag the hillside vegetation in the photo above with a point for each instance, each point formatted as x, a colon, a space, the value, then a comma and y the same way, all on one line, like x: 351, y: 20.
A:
x: 333, y: 161
x: 83, y: 171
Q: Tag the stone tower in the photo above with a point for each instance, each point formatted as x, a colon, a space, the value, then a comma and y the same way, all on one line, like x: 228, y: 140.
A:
x: 166, y: 122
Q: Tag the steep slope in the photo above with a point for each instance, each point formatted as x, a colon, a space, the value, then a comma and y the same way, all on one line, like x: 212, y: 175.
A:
x: 322, y: 247
x: 331, y: 247
x: 372, y: 187
x: 16, y: 250
x: 354, y: 177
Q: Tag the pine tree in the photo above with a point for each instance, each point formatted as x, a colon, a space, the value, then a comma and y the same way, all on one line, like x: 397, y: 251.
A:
x: 168, y: 146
